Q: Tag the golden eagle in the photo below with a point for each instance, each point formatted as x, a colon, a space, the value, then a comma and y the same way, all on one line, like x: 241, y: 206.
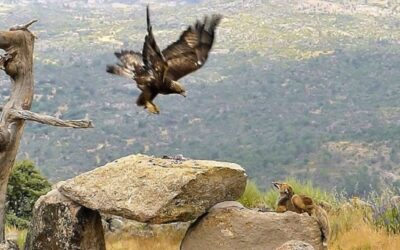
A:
x: 157, y: 72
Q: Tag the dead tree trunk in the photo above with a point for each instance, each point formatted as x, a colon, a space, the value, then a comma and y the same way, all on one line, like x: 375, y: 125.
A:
x: 18, y: 44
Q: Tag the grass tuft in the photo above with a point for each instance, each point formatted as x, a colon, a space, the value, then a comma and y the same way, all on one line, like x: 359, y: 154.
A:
x: 17, y: 235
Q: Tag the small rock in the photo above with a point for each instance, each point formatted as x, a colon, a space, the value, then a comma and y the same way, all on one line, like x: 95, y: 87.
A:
x: 115, y: 224
x: 295, y: 245
x: 9, y: 245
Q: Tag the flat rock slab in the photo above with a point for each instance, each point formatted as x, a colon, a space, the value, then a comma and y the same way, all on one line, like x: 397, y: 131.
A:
x: 155, y: 190
x: 230, y: 227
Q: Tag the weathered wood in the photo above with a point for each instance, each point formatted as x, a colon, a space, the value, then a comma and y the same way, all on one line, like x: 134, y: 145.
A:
x: 49, y: 120
x: 23, y: 26
x: 18, y: 44
x: 45, y: 119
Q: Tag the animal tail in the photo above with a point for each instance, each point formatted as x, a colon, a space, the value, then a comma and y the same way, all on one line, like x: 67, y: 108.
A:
x: 121, y: 71
x: 322, y: 218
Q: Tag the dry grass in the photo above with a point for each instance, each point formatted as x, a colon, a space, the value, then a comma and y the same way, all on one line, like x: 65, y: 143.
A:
x: 163, y: 241
x: 366, y: 237
x: 352, y: 231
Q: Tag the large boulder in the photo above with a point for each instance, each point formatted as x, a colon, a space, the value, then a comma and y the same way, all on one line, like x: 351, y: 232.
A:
x: 155, y: 190
x: 59, y: 223
x: 232, y: 226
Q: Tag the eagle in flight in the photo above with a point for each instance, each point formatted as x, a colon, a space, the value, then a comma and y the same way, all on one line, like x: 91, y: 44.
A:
x: 157, y: 71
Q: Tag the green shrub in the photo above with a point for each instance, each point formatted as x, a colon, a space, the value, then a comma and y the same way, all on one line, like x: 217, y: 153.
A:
x: 252, y: 196
x: 16, y: 221
x: 25, y: 186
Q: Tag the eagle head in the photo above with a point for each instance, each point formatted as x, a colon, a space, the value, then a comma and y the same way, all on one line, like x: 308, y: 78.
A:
x: 177, y: 88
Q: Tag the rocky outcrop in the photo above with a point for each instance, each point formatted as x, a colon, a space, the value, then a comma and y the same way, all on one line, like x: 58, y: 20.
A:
x: 295, y: 245
x: 59, y: 223
x: 155, y: 190
x: 230, y: 226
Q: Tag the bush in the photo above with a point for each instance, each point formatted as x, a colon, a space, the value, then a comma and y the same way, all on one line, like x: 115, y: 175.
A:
x: 385, y: 212
x: 361, y: 183
x: 252, y: 196
x: 25, y: 186
x: 15, y: 221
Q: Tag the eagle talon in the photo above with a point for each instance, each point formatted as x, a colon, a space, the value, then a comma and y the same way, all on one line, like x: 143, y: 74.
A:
x: 152, y: 108
x: 156, y: 108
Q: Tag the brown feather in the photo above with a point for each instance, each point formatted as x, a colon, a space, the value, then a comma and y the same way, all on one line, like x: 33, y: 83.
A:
x: 130, y: 59
x: 152, y: 56
x: 191, y: 51
x: 146, y: 96
x: 120, y: 70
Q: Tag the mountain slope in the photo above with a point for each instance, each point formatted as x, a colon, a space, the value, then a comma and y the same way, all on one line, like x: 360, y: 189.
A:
x: 286, y: 80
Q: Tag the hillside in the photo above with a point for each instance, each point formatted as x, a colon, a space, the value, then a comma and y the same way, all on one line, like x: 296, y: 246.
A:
x: 301, y: 88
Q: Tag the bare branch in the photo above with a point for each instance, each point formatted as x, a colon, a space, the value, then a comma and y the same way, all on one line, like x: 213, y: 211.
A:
x: 24, y: 26
x: 47, y: 119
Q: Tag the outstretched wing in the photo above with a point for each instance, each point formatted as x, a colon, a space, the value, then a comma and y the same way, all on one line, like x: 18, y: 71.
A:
x: 153, y: 59
x: 132, y: 64
x: 190, y: 52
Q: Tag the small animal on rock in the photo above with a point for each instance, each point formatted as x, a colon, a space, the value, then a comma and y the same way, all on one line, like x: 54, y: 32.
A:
x: 289, y: 201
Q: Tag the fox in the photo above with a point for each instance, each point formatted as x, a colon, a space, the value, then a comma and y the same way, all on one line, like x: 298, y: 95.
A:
x: 289, y: 201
